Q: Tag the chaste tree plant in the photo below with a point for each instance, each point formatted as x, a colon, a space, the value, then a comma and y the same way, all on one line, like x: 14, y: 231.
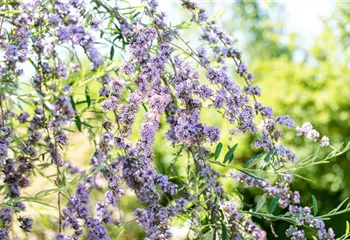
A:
x: 47, y: 96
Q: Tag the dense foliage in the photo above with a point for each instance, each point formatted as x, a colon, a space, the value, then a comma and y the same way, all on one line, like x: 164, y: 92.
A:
x: 151, y: 85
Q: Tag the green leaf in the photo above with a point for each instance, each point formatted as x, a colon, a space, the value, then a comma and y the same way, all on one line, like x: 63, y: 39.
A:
x: 217, y: 15
x: 315, y: 154
x: 260, y: 203
x: 10, y: 12
x: 314, y: 205
x: 78, y: 122
x: 111, y: 53
x: 110, y: 22
x: 63, y: 178
x: 208, y: 235
x: 335, y: 210
x: 77, y: 118
x: 347, y: 232
x: 218, y: 150
x: 135, y: 15
x: 273, y: 204
x: 185, y: 25
x: 224, y: 231
x: 89, y: 18
x: 230, y: 154
x: 267, y: 158
x: 73, y: 103
x: 210, y: 155
x: 87, y: 96
x: 251, y: 162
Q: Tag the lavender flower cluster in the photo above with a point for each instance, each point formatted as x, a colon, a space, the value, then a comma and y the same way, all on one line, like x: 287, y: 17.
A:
x: 289, y: 199
x: 153, y: 77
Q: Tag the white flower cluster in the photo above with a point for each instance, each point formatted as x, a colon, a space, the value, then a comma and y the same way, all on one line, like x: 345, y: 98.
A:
x: 307, y: 130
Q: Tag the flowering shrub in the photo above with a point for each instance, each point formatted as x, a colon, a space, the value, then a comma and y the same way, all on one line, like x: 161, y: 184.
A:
x: 163, y: 76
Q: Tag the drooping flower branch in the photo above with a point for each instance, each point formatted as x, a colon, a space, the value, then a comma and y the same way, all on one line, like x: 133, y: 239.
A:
x: 170, y: 89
